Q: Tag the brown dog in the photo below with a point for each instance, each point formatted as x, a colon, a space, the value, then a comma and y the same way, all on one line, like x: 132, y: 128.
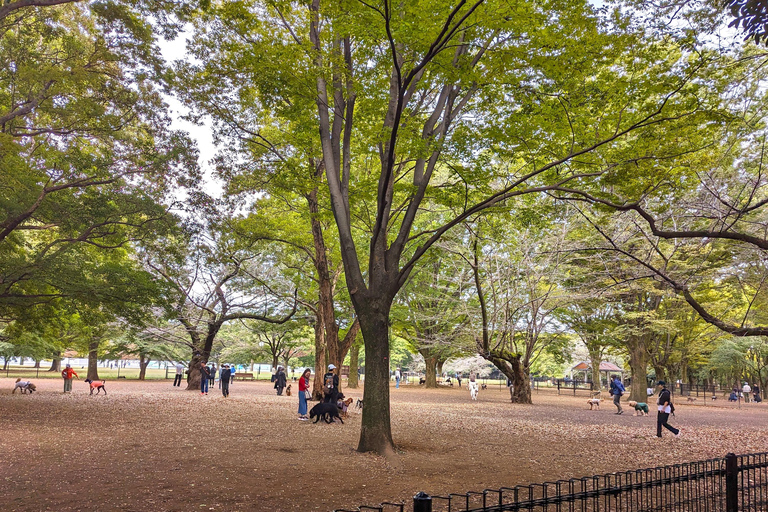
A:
x: 24, y: 386
x: 288, y: 390
x: 594, y: 403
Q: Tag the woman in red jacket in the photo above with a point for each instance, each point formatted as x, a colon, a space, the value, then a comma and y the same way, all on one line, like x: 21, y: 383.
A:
x: 303, y: 390
x: 67, y: 374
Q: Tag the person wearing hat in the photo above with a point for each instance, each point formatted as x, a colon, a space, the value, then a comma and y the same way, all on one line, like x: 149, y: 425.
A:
x: 280, y: 380
x: 67, y: 374
x: 665, y: 409
x: 330, y: 385
x: 224, y: 376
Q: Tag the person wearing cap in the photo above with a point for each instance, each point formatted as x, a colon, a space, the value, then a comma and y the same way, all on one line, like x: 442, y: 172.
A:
x: 330, y: 385
x: 224, y: 380
x: 280, y: 380
x: 665, y: 409
x: 67, y: 374
x: 617, y: 390
x: 746, y: 389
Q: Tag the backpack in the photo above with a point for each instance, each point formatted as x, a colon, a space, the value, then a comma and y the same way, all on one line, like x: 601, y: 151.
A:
x: 328, y: 383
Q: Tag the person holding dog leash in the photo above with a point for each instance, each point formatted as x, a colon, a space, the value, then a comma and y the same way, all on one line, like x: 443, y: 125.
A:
x: 67, y: 374
x: 617, y: 389
x: 665, y: 409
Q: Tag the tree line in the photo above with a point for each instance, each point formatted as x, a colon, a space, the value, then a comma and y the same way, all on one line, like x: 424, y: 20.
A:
x: 468, y: 175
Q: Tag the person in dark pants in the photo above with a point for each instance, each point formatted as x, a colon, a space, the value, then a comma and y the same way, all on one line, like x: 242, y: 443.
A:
x: 204, y: 374
x: 330, y: 385
x: 280, y: 380
x: 224, y: 380
x: 211, y: 376
x: 617, y: 389
x: 665, y: 409
x: 179, y: 374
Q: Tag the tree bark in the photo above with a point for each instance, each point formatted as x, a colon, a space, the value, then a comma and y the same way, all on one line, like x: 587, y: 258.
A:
x: 55, y: 364
x: 520, y: 381
x: 595, y: 358
x: 431, y: 372
x: 320, y: 361
x: 93, y: 362
x: 143, y: 367
x: 354, y: 362
x: 375, y: 428
x: 638, y: 365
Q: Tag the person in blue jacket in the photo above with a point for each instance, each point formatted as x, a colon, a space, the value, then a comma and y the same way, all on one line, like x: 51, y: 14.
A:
x: 617, y: 389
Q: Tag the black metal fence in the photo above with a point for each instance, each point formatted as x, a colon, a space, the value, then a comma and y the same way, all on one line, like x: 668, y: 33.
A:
x: 729, y: 484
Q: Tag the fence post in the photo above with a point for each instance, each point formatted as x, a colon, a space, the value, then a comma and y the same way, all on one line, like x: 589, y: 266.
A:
x: 731, y: 483
x: 422, y: 502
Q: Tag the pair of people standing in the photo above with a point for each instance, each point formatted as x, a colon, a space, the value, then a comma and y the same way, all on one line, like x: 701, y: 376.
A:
x: 280, y: 380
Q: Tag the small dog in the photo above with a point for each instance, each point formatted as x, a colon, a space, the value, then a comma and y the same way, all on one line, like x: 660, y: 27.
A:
x: 594, y: 403
x: 24, y: 386
x: 483, y: 386
x: 329, y: 412
x: 98, y: 385
x: 359, y: 403
x: 344, y: 406
x: 288, y: 390
x: 692, y: 398
x: 422, y: 380
x: 641, y: 408
x: 472, y: 390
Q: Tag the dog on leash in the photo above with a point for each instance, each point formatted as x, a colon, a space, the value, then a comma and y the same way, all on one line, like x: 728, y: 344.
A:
x: 24, y: 386
x: 98, y: 385
x: 641, y: 408
x: 327, y: 411
x: 472, y: 390
x: 288, y: 390
x: 594, y: 403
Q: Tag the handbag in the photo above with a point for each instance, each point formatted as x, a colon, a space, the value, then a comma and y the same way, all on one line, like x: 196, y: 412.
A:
x: 307, y: 394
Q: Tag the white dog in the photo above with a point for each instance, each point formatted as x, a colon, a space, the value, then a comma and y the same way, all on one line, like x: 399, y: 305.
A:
x: 473, y: 390
x: 24, y: 386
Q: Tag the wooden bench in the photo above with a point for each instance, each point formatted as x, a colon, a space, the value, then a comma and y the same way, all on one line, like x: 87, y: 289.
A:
x: 244, y: 376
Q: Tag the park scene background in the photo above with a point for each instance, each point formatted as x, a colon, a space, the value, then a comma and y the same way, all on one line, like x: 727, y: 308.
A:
x: 515, y: 191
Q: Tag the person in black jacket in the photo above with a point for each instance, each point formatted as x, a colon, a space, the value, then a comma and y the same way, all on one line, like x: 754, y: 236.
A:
x: 224, y: 380
x: 204, y: 373
x: 330, y: 385
x: 665, y: 409
x: 280, y: 380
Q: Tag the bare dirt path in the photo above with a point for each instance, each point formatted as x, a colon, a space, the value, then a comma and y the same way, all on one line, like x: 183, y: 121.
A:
x: 149, y: 446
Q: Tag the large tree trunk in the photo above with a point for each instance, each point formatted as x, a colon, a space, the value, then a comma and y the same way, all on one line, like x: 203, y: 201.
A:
x: 93, y: 362
x: 638, y: 365
x: 56, y: 363
x: 431, y: 372
x: 201, y: 356
x: 439, y: 366
x: 375, y: 429
x: 354, y: 363
x: 320, y: 361
x: 595, y: 358
x: 143, y: 367
x: 522, y: 385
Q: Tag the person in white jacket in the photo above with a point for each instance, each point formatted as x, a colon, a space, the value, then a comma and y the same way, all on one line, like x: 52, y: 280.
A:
x: 747, y: 391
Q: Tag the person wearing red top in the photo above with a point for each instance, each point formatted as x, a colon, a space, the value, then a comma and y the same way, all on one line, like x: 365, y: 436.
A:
x: 303, y: 389
x: 67, y: 374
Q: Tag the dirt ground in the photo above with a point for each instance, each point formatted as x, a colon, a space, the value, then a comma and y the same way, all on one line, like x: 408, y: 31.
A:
x: 150, y: 446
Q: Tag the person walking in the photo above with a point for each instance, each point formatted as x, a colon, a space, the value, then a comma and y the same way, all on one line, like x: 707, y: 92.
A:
x: 67, y: 374
x: 179, y: 374
x: 204, y: 374
x: 224, y: 375
x: 280, y: 380
x: 330, y: 385
x: 617, y: 389
x: 458, y: 378
x: 665, y: 409
x: 397, y: 377
x: 232, y: 374
x: 212, y: 376
x: 303, y: 392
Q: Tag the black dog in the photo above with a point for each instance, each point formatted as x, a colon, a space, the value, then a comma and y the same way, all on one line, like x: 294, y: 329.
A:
x: 326, y: 411
x: 359, y: 404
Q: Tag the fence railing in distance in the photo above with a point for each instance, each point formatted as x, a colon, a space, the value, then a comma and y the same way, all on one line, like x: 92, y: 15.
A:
x: 734, y: 483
